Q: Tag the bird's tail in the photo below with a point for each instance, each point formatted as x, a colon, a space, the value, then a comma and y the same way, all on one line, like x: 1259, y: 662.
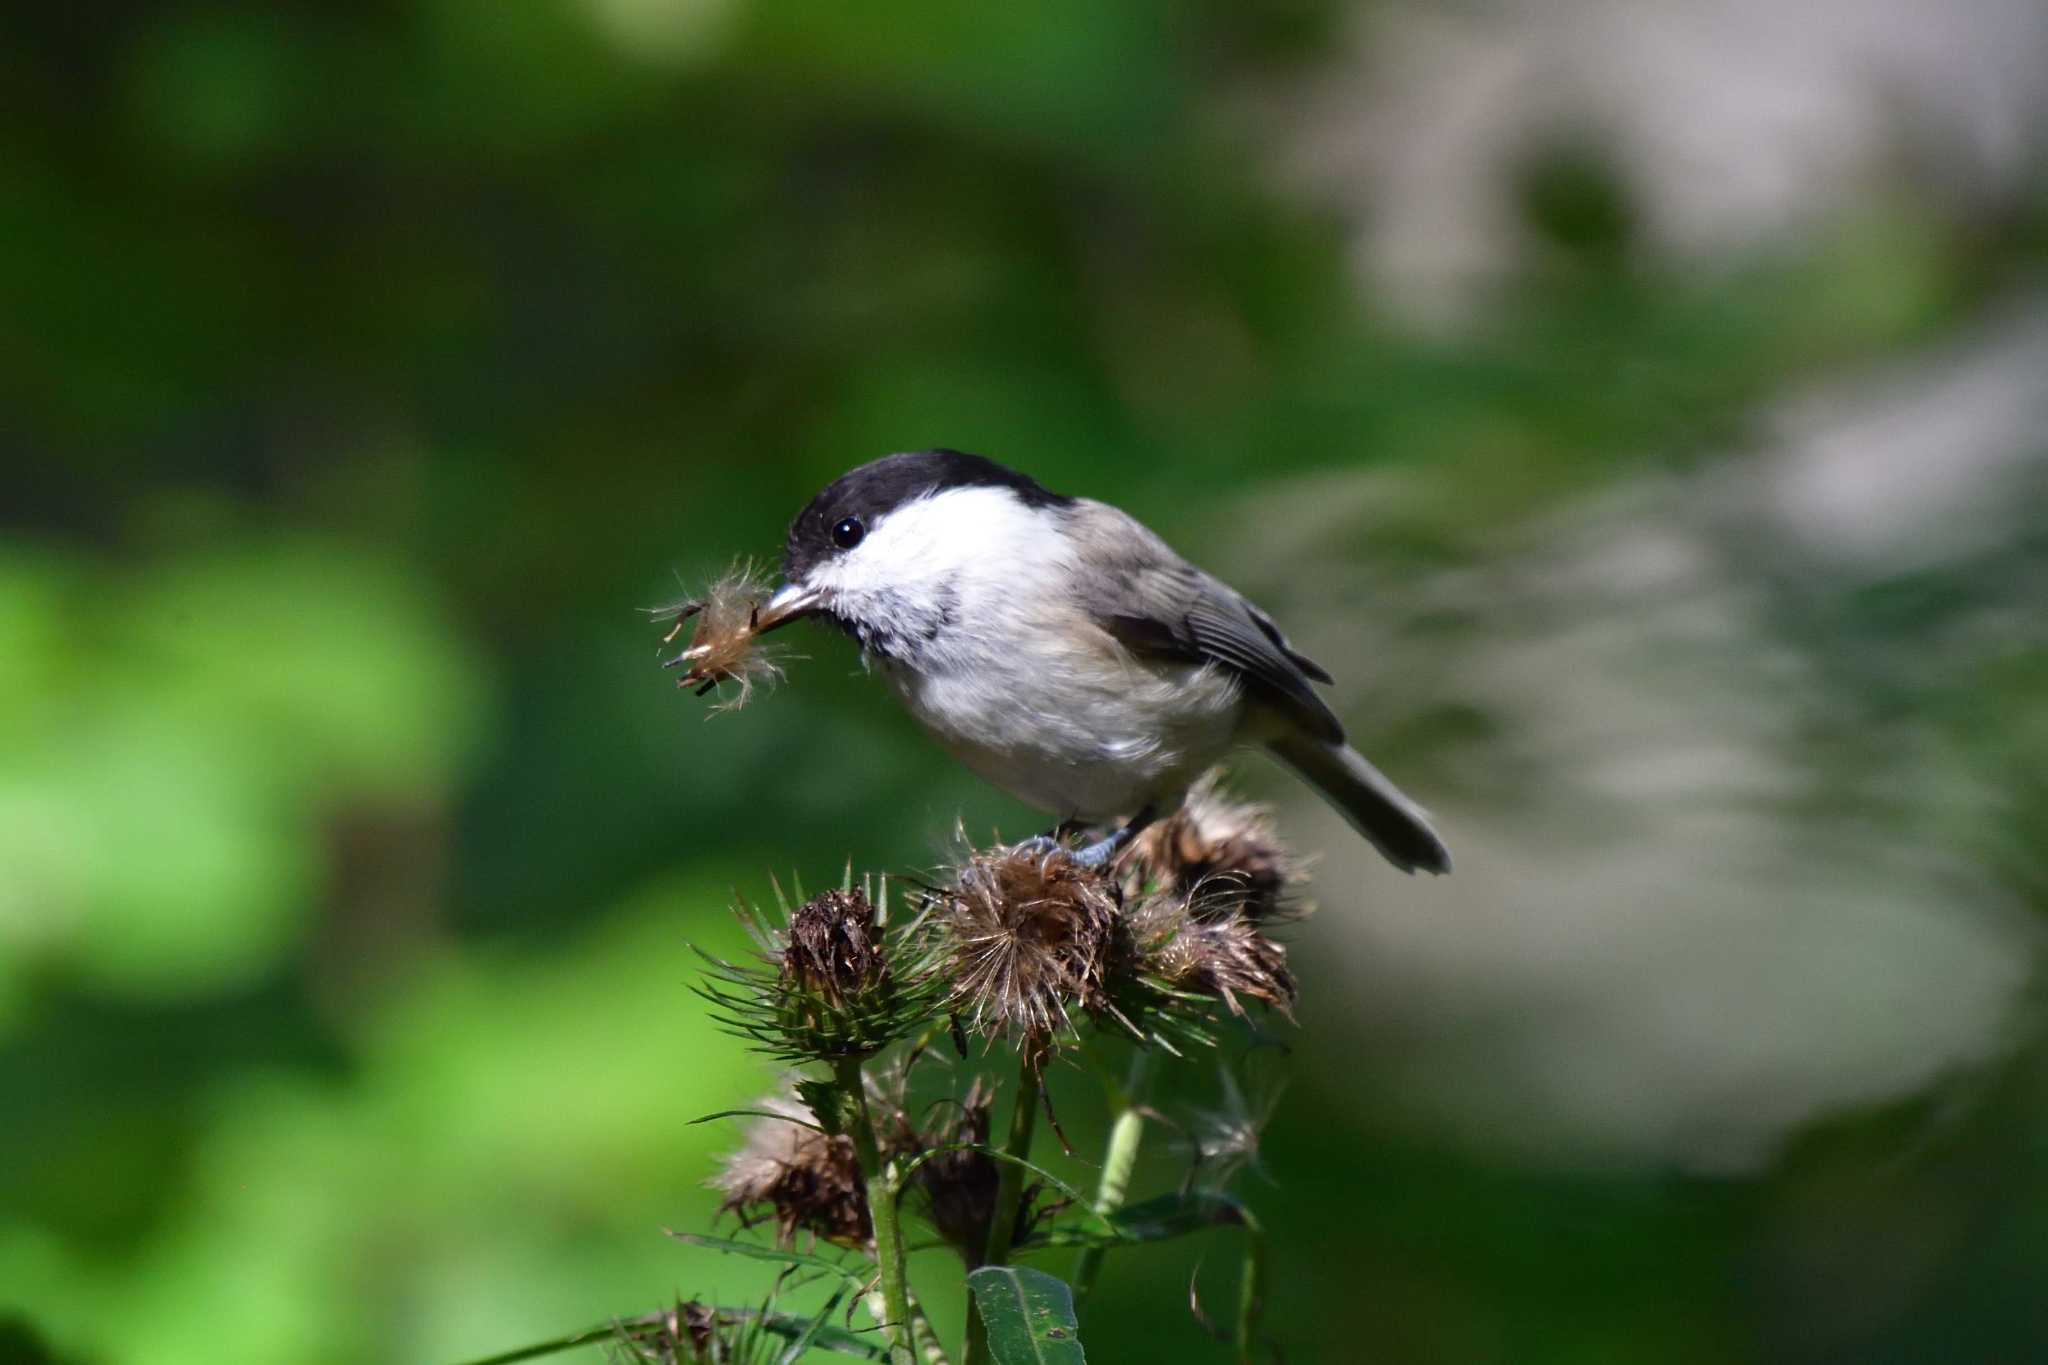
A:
x: 1374, y: 806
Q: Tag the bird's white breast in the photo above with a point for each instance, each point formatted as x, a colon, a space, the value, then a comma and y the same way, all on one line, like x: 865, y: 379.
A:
x: 1019, y: 683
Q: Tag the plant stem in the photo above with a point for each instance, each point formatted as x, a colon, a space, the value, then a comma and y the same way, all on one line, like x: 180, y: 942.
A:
x: 1002, y: 1226
x: 1251, y: 1291
x: 1118, y: 1162
x: 924, y: 1338
x: 880, y: 1175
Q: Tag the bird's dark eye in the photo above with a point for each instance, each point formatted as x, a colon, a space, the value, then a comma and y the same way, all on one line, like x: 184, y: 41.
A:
x: 848, y: 533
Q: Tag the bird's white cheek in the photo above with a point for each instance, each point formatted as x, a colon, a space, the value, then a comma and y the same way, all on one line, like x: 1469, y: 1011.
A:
x: 843, y: 589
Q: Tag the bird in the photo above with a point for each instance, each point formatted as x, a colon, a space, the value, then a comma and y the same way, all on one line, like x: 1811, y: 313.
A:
x: 1065, y: 653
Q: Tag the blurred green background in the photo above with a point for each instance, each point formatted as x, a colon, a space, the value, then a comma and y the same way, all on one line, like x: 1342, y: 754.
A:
x: 1644, y: 410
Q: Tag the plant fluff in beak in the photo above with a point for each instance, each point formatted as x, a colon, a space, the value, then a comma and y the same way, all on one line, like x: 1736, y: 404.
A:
x: 731, y: 616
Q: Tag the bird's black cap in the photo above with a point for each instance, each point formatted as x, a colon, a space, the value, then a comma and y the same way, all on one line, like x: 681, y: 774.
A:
x: 877, y: 488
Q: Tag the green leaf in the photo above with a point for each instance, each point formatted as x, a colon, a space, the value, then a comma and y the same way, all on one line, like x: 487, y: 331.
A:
x: 759, y: 1114
x: 1155, y: 1220
x: 1177, y: 1215
x: 997, y: 1154
x: 816, y: 1333
x: 797, y: 1259
x: 1030, y: 1316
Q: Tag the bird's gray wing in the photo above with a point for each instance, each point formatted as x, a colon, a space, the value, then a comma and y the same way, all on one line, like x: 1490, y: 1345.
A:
x: 1155, y: 602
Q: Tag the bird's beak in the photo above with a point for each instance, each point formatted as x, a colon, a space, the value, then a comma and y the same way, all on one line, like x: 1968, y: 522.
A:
x: 791, y: 602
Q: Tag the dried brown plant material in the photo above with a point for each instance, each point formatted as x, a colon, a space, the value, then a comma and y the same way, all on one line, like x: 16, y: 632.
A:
x: 834, y: 980
x: 686, y: 1332
x: 888, y: 1091
x: 1027, y: 938
x: 726, y: 644
x: 1221, y: 854
x: 803, y: 1179
x: 832, y: 948
x: 1227, y: 956
x: 956, y: 1189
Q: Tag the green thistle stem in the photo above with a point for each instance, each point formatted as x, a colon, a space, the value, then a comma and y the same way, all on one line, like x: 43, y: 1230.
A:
x: 1251, y: 1291
x: 924, y: 1338
x: 1002, y: 1227
x: 881, y: 1178
x: 1125, y: 1136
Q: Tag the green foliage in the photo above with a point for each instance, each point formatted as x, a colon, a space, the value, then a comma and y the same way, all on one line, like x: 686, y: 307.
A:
x: 795, y: 1260
x: 175, y: 740
x: 1156, y: 1220
x: 1030, y: 1316
x: 739, y: 1336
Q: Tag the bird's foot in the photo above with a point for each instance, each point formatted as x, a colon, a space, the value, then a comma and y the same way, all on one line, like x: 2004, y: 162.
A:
x: 1041, y: 846
x: 1099, y: 854
x: 1094, y: 856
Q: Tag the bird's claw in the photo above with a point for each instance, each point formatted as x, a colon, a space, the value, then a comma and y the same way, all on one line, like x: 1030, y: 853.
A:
x: 1099, y: 854
x: 1092, y: 856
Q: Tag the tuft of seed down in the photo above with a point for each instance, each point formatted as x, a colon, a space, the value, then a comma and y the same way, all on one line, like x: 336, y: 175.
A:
x: 726, y: 644
x: 801, y: 1179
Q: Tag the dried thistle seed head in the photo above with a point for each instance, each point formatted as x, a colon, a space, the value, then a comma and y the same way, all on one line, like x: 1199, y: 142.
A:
x: 1228, y: 956
x: 726, y: 643
x: 688, y: 1332
x: 832, y: 948
x: 693, y: 1333
x: 803, y: 1179
x: 956, y: 1190
x: 839, y: 981
x: 1027, y: 938
x: 1220, y: 853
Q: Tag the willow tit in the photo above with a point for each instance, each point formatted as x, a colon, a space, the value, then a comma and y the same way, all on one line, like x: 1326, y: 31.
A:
x: 1063, y: 652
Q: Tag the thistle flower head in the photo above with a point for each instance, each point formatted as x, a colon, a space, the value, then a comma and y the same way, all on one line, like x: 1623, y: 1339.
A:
x: 837, y: 979
x: 1193, y: 950
x: 1221, y: 854
x: 802, y: 1179
x: 1026, y: 940
x: 955, y: 1189
x: 726, y: 644
x: 1030, y: 943
x: 832, y: 948
x: 693, y: 1333
x: 687, y: 1332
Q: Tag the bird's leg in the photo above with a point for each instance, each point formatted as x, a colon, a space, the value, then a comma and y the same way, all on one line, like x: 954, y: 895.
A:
x: 1053, y: 840
x: 1092, y: 856
x: 1099, y: 853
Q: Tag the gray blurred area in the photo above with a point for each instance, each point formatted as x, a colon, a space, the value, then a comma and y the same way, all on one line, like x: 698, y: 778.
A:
x: 1684, y: 926
x: 1733, y: 127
